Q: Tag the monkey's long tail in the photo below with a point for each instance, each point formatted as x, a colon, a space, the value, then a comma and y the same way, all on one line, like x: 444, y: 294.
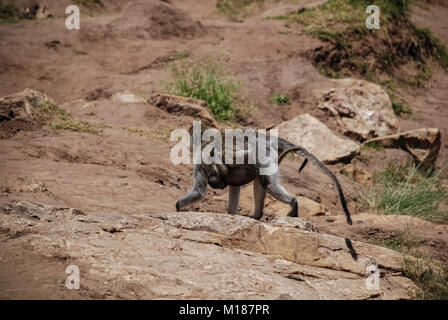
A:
x: 308, y: 156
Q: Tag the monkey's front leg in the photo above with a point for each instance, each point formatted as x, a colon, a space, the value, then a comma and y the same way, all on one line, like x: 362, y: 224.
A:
x: 259, y: 197
x: 199, y: 188
x: 234, y: 199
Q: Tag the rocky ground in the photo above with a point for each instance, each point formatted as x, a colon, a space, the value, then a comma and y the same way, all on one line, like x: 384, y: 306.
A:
x: 102, y: 195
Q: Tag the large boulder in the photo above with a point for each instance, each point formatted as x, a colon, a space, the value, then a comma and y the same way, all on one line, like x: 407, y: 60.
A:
x: 317, y: 138
x: 189, y: 255
x: 423, y: 144
x: 362, y: 109
x: 184, y: 106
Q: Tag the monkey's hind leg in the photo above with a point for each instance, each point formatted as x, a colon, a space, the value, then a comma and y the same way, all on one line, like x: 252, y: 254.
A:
x: 272, y: 186
x: 259, y: 196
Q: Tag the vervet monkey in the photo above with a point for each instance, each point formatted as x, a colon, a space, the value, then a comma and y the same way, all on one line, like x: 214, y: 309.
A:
x: 219, y: 176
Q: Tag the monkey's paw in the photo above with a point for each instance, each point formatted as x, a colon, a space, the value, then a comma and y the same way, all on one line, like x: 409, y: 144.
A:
x: 294, y: 209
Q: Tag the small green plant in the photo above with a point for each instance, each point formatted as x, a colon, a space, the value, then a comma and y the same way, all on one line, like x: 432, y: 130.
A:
x: 76, y: 126
x: 48, y: 113
x: 374, y: 145
x: 280, y: 99
x: 401, y: 108
x: 408, y: 190
x: 9, y: 13
x: 205, y: 79
x: 47, y: 110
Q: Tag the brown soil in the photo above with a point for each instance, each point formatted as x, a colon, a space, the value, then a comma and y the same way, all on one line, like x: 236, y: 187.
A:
x: 125, y: 45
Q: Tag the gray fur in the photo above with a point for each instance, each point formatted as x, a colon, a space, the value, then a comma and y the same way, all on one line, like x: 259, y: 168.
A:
x: 237, y: 175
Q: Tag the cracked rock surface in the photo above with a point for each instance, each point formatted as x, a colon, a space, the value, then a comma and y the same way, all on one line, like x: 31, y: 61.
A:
x: 187, y: 255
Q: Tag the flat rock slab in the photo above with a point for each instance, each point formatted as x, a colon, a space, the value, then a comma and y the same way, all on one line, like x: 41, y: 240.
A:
x: 194, y: 255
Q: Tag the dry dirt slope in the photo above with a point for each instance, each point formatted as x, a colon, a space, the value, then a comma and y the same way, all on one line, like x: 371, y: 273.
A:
x: 125, y: 185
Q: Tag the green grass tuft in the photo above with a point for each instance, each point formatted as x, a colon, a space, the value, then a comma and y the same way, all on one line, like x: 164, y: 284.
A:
x: 280, y: 99
x: 9, y: 13
x: 76, y: 126
x: 401, y: 108
x: 406, y: 190
x: 389, y: 8
x: 48, y: 113
x: 374, y: 145
x: 206, y: 79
